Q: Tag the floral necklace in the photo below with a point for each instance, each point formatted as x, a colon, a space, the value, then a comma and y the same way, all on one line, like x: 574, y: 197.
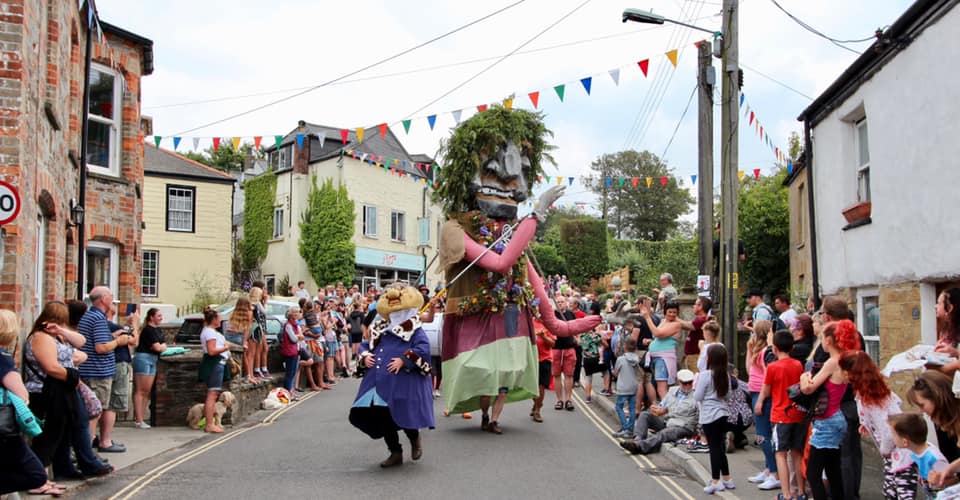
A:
x: 495, y: 290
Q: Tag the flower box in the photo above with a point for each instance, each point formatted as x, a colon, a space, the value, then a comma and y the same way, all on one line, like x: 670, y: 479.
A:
x: 857, y: 212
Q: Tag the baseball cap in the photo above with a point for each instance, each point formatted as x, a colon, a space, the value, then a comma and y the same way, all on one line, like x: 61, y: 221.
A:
x: 685, y: 375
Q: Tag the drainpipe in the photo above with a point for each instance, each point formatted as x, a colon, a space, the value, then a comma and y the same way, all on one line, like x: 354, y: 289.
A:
x: 423, y: 215
x: 85, y: 109
x: 808, y: 163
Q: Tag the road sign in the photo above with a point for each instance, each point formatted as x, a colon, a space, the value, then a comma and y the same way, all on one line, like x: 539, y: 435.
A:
x: 9, y: 203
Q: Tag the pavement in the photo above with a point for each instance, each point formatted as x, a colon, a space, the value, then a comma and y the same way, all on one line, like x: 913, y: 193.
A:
x: 743, y: 463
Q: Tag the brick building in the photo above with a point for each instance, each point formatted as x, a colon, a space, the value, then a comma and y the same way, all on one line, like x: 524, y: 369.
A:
x: 42, y: 55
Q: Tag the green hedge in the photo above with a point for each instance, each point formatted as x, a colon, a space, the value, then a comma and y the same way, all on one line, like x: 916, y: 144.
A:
x: 584, y: 248
x: 260, y: 194
x: 648, y: 259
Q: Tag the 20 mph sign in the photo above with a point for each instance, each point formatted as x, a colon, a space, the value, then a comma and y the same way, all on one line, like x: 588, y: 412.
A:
x: 9, y: 203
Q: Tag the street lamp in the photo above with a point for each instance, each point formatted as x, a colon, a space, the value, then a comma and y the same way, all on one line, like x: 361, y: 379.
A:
x: 647, y: 17
x: 76, y: 213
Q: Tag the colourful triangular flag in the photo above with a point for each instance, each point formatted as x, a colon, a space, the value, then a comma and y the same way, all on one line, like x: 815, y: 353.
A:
x: 157, y: 139
x: 756, y: 173
x: 663, y: 181
x: 432, y: 120
x: 608, y: 180
x: 196, y: 143
x: 586, y: 83
x: 672, y: 55
x: 481, y: 108
x: 534, y: 98
x: 278, y: 139
x: 456, y: 116
x: 360, y: 132
x: 322, y: 137
x: 615, y: 74
x: 740, y: 174
x: 635, y: 181
x: 571, y: 180
x: 560, y: 89
x: 644, y: 66
x: 649, y: 182
x: 257, y: 139
x: 299, y: 141
x: 751, y: 118
x: 236, y: 144
x: 789, y: 167
x: 742, y: 97
x: 343, y: 135
x: 622, y: 180
x: 559, y: 180
x: 548, y: 179
x: 176, y: 142
x: 216, y: 144
x: 508, y: 103
x: 693, y: 179
x: 383, y: 130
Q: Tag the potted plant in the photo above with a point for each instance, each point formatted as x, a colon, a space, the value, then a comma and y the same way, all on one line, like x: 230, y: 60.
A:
x: 857, y: 212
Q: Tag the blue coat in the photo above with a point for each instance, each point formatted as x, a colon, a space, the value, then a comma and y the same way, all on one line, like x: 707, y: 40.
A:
x: 408, y: 394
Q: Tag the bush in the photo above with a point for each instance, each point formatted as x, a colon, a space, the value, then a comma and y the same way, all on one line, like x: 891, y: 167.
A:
x: 648, y: 259
x: 584, y: 247
x: 550, y: 260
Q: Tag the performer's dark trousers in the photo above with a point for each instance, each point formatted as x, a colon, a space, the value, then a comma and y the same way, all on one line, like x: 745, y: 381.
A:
x: 389, y: 429
x: 579, y: 365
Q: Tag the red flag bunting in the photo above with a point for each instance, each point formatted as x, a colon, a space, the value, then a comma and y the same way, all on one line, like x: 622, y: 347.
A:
x: 663, y: 181
x: 644, y: 65
x: 256, y: 141
x: 216, y: 144
x: 756, y: 174
x: 534, y: 97
x: 383, y: 130
x: 343, y: 135
x: 635, y: 180
x: 481, y: 108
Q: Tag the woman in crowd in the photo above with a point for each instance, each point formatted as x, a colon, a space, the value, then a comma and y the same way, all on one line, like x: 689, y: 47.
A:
x: 313, y: 332
x: 932, y: 392
x: 238, y: 331
x: 712, y: 391
x: 591, y: 344
x: 258, y: 336
x: 663, y: 348
x: 145, y: 360
x: 875, y: 404
x: 356, y: 325
x: 803, y: 338
x: 52, y: 387
x: 214, y: 344
x: 829, y: 429
x: 329, y: 323
x: 19, y: 467
x: 288, y: 349
x: 948, y: 327
x: 545, y: 341
x: 263, y: 338
x: 759, y: 354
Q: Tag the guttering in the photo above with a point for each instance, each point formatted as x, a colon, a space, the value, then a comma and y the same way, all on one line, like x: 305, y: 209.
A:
x: 808, y: 165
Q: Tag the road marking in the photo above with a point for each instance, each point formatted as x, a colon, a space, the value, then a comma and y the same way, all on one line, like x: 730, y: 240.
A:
x: 606, y: 430
x: 137, y: 485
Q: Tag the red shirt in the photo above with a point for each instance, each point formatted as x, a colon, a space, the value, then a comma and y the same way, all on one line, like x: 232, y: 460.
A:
x: 544, y: 352
x: 781, y: 374
x: 579, y: 314
x: 692, y: 346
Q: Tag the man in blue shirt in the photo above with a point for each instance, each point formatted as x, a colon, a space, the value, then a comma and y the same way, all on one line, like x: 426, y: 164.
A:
x: 99, y: 369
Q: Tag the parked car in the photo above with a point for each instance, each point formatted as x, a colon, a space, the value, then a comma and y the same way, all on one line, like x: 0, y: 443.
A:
x: 189, y: 332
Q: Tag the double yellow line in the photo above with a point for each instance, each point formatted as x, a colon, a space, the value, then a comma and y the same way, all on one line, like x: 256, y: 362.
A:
x: 642, y: 461
x: 140, y: 483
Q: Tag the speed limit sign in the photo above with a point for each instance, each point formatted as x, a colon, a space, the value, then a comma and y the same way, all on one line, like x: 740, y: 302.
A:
x: 9, y: 203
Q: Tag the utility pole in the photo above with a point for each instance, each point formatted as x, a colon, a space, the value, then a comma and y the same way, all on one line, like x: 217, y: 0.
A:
x: 729, y: 189
x: 706, y: 79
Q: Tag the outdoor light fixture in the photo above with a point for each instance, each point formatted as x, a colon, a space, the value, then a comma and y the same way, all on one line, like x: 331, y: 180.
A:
x: 647, y: 17
x: 76, y: 213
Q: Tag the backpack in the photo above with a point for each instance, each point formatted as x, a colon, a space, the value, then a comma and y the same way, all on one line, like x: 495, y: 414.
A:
x: 776, y: 324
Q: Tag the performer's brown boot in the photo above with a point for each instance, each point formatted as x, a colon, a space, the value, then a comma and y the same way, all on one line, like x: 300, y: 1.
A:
x: 416, y: 448
x: 395, y: 458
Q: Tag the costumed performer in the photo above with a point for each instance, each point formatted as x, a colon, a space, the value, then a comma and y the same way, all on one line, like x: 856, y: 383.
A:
x: 488, y: 351
x: 396, y: 390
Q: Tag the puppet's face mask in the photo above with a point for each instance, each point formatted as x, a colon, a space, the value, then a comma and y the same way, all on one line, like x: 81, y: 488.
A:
x: 501, y: 184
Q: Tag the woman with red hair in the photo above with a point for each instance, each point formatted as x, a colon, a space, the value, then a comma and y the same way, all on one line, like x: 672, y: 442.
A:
x: 875, y: 404
x: 830, y: 428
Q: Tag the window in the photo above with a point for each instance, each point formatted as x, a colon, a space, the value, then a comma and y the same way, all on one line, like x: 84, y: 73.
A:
x: 181, y: 201
x: 863, y: 160
x: 148, y: 278
x: 102, y: 266
x: 370, y: 221
x: 270, y: 280
x: 277, y: 222
x: 282, y: 157
x: 868, y: 319
x: 424, y: 226
x: 103, y: 134
x: 801, y: 214
x: 398, y: 230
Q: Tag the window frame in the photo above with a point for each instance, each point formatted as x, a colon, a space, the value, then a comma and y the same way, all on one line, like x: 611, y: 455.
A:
x: 863, y: 295
x: 156, y: 273
x: 398, y: 226
x: 369, y: 221
x: 801, y: 212
x: 115, y: 123
x: 114, y: 278
x: 43, y: 229
x: 279, y: 215
x: 193, y: 208
x: 862, y: 168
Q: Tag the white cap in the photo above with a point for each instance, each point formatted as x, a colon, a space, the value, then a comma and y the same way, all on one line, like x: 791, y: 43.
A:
x: 685, y: 375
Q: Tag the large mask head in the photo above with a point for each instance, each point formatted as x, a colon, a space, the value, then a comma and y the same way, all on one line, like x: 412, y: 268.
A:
x: 491, y: 161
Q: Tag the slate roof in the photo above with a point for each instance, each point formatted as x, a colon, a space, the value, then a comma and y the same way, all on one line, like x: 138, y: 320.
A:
x: 158, y: 161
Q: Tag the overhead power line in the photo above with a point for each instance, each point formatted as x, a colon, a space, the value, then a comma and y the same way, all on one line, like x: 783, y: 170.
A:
x: 811, y: 29
x: 679, y: 122
x: 329, y: 82
x: 774, y: 80
x: 499, y: 60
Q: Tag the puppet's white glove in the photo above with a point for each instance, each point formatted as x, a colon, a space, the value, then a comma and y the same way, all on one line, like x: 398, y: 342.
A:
x: 546, y: 201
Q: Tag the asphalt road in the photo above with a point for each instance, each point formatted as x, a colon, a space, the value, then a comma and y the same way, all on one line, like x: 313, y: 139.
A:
x: 310, y: 450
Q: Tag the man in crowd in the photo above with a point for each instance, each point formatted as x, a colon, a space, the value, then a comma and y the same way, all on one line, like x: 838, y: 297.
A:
x: 691, y: 347
x: 674, y: 418
x: 761, y: 311
x: 301, y: 291
x: 666, y: 292
x: 100, y: 368
x: 781, y: 303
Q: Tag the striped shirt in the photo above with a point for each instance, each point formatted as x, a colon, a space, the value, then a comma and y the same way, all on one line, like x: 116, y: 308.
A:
x: 94, y: 327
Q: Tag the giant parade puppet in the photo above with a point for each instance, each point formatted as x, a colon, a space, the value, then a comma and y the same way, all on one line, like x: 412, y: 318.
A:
x: 489, y: 356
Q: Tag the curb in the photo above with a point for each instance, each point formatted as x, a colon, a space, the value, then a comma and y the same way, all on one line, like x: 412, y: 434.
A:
x: 679, y: 458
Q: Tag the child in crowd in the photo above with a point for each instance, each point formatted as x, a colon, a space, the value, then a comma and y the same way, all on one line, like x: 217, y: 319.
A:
x: 712, y: 391
x: 711, y: 335
x: 626, y: 371
x: 910, y: 432
x: 789, y: 431
x: 759, y: 355
x: 591, y: 344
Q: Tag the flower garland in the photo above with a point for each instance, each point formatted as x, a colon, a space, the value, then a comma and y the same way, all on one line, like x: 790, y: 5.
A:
x: 495, y: 290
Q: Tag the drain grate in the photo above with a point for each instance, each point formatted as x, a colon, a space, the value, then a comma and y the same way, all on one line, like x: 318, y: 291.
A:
x: 662, y: 472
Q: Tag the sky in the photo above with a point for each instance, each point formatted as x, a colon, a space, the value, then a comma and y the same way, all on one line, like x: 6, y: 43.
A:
x: 208, y: 54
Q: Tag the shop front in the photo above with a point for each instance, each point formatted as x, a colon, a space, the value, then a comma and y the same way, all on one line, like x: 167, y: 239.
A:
x: 379, y: 268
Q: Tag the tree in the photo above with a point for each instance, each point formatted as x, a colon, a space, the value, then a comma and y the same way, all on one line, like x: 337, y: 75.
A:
x: 259, y: 195
x: 225, y: 158
x: 326, y: 234
x: 647, y: 213
x: 584, y: 248
x: 548, y: 232
x: 764, y: 230
x: 550, y: 260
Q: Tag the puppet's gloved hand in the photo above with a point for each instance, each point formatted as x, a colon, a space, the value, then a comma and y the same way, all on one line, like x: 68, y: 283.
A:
x: 546, y: 201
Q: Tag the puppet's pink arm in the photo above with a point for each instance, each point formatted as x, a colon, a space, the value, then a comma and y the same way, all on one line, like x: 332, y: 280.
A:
x: 558, y: 327
x: 501, y: 263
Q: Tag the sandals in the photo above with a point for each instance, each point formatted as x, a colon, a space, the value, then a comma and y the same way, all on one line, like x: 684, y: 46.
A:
x: 51, y: 489
x: 558, y: 406
x: 569, y: 405
x: 494, y: 428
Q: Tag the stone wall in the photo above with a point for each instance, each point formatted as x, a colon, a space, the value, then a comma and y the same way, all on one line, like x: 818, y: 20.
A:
x: 899, y: 330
